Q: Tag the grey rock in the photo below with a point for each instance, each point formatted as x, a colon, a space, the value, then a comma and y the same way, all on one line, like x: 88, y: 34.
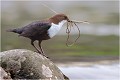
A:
x: 4, y: 75
x: 26, y: 64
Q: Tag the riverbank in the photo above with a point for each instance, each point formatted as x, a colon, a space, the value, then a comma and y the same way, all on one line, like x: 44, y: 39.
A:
x: 84, y: 64
x: 69, y: 59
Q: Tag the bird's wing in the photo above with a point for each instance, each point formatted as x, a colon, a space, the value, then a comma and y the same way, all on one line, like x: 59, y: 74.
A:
x: 35, y: 28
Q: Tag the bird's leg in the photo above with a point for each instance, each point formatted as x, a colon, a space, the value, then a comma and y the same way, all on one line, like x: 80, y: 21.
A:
x: 39, y: 43
x: 32, y: 43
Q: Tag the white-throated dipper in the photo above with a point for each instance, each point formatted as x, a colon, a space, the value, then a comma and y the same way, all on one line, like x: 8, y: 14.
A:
x: 42, y: 30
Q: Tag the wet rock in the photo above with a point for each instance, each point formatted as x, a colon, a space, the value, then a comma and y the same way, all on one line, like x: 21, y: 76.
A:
x: 26, y: 64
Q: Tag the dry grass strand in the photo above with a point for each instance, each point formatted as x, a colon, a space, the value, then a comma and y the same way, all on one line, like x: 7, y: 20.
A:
x: 68, y: 30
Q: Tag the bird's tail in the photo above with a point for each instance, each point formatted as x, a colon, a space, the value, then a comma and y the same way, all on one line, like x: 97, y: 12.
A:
x: 14, y: 30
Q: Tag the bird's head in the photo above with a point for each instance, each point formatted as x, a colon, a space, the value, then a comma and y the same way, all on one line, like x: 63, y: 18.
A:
x: 58, y: 18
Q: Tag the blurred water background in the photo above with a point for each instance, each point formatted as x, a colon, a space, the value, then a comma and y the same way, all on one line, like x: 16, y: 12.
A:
x: 99, y: 41
x: 92, y: 71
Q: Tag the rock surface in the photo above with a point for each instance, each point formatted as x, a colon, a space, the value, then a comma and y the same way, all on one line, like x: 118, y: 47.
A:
x: 4, y: 75
x: 26, y: 64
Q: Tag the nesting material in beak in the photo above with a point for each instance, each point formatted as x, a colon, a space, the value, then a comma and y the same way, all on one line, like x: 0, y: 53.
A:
x: 71, y: 23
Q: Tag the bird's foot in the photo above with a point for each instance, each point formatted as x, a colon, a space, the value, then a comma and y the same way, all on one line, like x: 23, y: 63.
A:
x: 42, y: 54
x: 46, y: 56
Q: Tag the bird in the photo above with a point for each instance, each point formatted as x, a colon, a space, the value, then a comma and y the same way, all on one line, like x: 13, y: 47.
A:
x: 42, y: 30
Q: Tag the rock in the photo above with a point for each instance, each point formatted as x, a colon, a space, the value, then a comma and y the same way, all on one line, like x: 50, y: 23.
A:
x: 4, y: 75
x: 26, y: 64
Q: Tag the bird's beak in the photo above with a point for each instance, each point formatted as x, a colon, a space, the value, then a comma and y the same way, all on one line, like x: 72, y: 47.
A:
x: 68, y: 20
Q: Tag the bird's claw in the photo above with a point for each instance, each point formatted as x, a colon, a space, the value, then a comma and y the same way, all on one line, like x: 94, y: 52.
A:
x: 46, y: 56
x: 42, y: 54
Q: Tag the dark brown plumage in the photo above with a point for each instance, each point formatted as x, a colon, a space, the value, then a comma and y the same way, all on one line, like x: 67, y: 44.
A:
x: 39, y: 30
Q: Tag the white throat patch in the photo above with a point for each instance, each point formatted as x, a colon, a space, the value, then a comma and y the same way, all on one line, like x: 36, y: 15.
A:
x: 55, y: 28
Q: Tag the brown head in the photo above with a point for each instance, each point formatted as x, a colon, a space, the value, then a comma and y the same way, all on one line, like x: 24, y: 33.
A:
x: 58, y: 18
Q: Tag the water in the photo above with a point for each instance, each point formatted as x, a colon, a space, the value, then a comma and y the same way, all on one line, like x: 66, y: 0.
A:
x: 94, y: 72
